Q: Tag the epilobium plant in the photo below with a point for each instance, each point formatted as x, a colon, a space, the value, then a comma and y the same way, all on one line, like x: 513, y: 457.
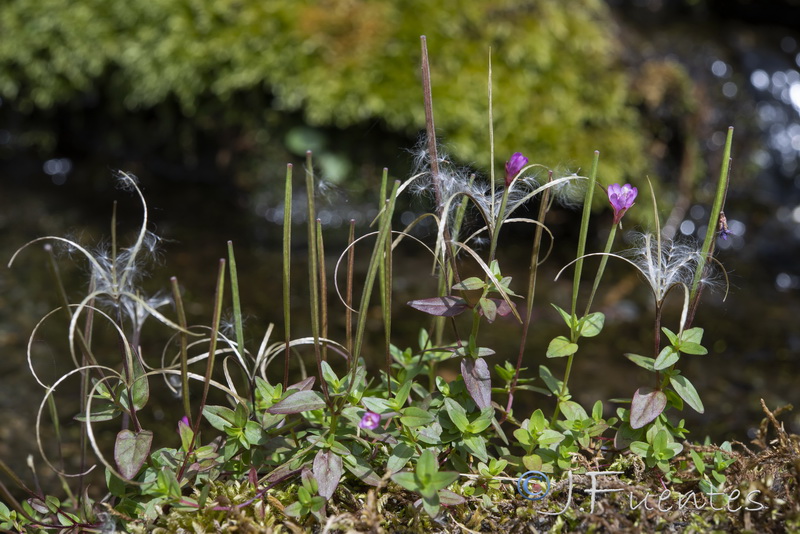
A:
x: 294, y: 452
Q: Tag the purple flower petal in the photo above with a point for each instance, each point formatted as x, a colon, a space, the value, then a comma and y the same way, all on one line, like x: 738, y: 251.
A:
x: 621, y: 199
x: 514, y: 165
x: 370, y: 421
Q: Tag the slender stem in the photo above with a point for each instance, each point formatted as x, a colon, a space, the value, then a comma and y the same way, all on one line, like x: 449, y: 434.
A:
x: 711, y: 231
x: 431, y: 128
x: 498, y: 223
x: 491, y: 138
x: 434, y: 163
x: 219, y: 293
x: 657, y: 340
x: 384, y: 282
x: 563, y: 391
x: 377, y: 251
x: 114, y: 244
x: 576, y: 282
x: 533, y: 270
x: 238, y: 323
x: 184, y: 355
x: 287, y: 270
x: 313, y: 275
x: 587, y: 210
x: 349, y: 292
x: 323, y: 288
x: 601, y: 269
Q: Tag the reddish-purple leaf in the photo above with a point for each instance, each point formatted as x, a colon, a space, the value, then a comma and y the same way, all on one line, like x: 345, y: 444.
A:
x: 327, y: 472
x: 647, y: 404
x: 301, y: 401
x: 478, y: 381
x: 503, y: 308
x: 448, y: 498
x: 131, y: 450
x: 303, y: 385
x: 448, y: 306
x: 282, y: 473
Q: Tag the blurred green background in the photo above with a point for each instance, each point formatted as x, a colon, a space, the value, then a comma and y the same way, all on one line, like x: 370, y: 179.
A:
x: 208, y: 100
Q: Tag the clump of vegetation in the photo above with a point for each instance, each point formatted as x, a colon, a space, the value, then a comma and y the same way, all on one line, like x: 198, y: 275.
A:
x: 229, y: 66
x: 343, y: 448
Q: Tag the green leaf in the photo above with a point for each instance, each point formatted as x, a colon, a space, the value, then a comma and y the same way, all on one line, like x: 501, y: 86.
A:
x: 131, y: 451
x: 489, y: 309
x: 407, y: 480
x: 692, y: 335
x: 401, y: 396
x: 685, y: 389
x: 101, y: 411
x: 477, y: 446
x: 401, y: 454
x: 564, y: 315
x: 186, y: 433
x: 423, y: 339
x: 699, y: 464
x: 560, y: 347
x: 252, y: 432
x: 532, y: 462
x: 693, y: 348
x: 301, y: 401
x: 140, y: 389
x: 552, y: 383
x: 667, y: 357
x: 573, y: 411
x: 537, y: 422
x: 414, y: 417
x: 591, y: 325
x: 441, y: 480
x: 294, y: 510
x: 362, y: 470
x: 220, y: 417
x: 646, y: 405
x: 457, y: 414
x: 329, y: 376
x: 640, y: 448
x: 377, y: 405
x: 673, y: 338
x: 470, y: 284
x: 431, y: 504
x: 597, y: 410
x: 426, y: 466
x: 167, y: 483
x: 641, y: 361
x: 240, y: 415
x: 549, y: 437
x: 480, y: 424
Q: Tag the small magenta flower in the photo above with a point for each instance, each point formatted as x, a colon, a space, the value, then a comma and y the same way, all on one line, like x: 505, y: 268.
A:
x: 514, y: 165
x: 370, y: 421
x: 621, y: 199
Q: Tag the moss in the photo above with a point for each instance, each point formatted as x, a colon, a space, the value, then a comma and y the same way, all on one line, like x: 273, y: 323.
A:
x: 559, y: 88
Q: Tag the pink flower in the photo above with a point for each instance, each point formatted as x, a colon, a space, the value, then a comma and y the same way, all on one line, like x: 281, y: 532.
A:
x: 370, y: 421
x: 621, y: 199
x: 514, y: 165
